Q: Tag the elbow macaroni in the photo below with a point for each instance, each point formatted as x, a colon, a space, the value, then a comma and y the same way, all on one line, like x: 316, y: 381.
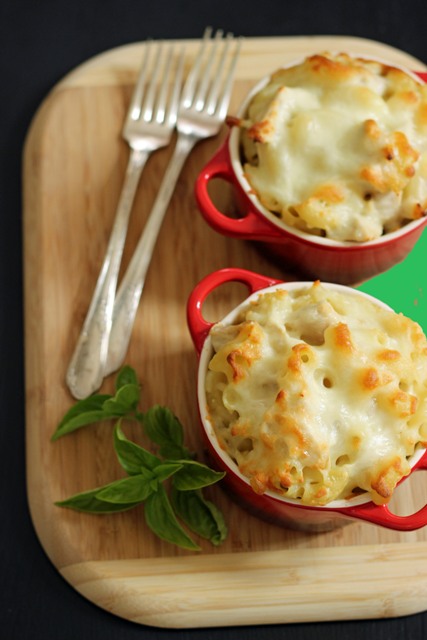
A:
x: 337, y: 147
x: 319, y: 395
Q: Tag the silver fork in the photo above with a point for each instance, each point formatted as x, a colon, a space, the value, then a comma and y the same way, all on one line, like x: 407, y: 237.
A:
x: 202, y: 110
x: 149, y: 125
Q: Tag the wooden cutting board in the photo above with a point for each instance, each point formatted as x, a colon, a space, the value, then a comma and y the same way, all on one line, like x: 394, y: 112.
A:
x: 74, y: 163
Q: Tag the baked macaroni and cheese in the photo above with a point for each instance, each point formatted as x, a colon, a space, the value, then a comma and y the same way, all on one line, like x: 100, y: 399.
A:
x: 319, y: 394
x: 337, y: 147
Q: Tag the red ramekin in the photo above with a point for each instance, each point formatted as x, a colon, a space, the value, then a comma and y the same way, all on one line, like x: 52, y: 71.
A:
x: 270, y: 506
x: 312, y: 256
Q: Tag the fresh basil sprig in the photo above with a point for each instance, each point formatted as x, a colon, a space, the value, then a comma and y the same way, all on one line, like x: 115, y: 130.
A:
x: 164, y: 506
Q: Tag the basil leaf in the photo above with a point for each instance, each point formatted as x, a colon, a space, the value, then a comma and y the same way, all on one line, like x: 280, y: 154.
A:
x: 125, y: 401
x: 84, y: 412
x: 164, y: 428
x: 161, y: 519
x: 88, y: 502
x: 127, y: 490
x: 165, y: 471
x: 82, y: 420
x: 126, y: 376
x: 87, y: 404
x: 131, y: 456
x: 195, y: 475
x: 200, y: 515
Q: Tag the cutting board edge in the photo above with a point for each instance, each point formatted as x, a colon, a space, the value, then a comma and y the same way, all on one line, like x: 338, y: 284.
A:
x: 275, y: 581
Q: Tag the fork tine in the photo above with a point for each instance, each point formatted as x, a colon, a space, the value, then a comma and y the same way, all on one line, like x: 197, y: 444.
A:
x: 161, y: 100
x: 134, y: 110
x: 188, y: 90
x: 224, y: 100
x: 145, y: 107
x: 172, y: 110
x: 211, y: 99
x: 199, y: 99
x: 148, y: 103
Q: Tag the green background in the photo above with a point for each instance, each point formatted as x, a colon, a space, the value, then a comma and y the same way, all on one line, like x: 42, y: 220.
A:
x: 404, y: 287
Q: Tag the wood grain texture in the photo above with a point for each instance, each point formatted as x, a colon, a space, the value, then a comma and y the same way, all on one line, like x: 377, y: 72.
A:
x: 74, y: 162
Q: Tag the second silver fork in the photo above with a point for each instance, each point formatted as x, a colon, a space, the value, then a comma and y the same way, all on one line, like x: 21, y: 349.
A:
x: 149, y: 125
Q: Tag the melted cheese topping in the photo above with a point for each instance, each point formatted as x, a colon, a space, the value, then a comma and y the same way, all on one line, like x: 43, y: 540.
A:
x: 319, y: 395
x: 337, y: 147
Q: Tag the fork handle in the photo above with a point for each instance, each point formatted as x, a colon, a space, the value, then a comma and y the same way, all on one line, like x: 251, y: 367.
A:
x: 86, y: 369
x: 131, y: 287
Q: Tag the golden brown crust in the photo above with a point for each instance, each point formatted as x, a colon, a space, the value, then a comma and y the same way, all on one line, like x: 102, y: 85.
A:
x: 384, y: 484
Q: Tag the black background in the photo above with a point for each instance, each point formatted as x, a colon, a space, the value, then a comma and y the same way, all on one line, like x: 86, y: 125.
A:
x: 40, y: 41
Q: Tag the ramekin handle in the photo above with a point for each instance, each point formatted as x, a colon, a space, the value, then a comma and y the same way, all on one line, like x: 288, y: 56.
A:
x: 422, y: 463
x: 381, y: 514
x: 250, y: 226
x: 198, y: 326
